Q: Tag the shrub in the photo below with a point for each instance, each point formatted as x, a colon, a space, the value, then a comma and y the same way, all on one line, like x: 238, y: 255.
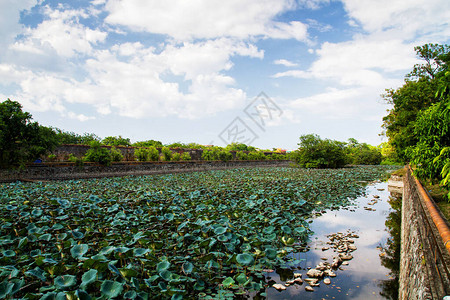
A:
x: 240, y: 155
x: 116, y: 155
x: 166, y: 154
x: 51, y: 157
x: 317, y: 153
x: 256, y: 155
x: 224, y: 155
x: 98, y: 154
x: 185, y: 156
x: 176, y: 156
x: 142, y: 154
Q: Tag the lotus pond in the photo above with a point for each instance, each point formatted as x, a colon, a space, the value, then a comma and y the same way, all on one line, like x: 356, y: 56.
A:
x: 210, y: 235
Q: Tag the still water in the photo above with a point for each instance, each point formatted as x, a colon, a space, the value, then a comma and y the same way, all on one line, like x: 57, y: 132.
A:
x: 372, y: 273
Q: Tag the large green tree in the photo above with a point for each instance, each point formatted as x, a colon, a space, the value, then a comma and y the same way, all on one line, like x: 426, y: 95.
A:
x: 314, y: 152
x: 21, y: 139
x: 417, y: 94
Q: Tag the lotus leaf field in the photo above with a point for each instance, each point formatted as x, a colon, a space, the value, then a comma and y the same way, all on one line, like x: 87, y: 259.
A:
x: 204, y: 235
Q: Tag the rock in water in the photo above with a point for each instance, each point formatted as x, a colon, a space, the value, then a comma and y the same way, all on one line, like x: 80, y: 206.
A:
x: 279, y: 286
x: 327, y: 281
x: 314, y: 273
x: 309, y: 288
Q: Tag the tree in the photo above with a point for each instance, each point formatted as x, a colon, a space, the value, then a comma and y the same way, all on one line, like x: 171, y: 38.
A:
x: 317, y: 153
x: 66, y: 137
x: 22, y: 140
x: 116, y: 141
x: 149, y: 143
x: 99, y: 154
x: 417, y: 94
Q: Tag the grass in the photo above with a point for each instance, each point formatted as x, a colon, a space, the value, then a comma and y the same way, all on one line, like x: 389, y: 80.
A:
x: 439, y: 195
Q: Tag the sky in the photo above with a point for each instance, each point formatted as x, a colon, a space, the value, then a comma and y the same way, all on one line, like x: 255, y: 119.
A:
x: 261, y: 72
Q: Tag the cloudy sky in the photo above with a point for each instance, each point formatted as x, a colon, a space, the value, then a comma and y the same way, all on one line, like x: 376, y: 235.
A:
x: 213, y: 72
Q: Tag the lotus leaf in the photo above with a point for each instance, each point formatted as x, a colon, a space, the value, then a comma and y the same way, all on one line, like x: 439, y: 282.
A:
x: 65, y: 281
x: 164, y: 265
x: 245, y: 259
x: 111, y: 289
x: 88, y: 278
x: 228, y: 282
x: 78, y: 251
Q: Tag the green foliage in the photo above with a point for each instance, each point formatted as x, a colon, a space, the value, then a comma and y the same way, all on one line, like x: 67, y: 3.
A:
x: 256, y: 155
x: 426, y: 85
x: 65, y: 137
x: 239, y: 147
x: 147, y: 154
x: 149, y: 143
x: 22, y: 140
x: 433, y: 134
x: 176, y: 156
x: 116, y: 141
x: 140, y: 237
x: 217, y: 153
x: 240, y: 155
x: 185, y: 156
x: 362, y: 153
x: 166, y: 154
x: 317, y: 153
x: 51, y: 157
x: 116, y: 155
x: 98, y: 154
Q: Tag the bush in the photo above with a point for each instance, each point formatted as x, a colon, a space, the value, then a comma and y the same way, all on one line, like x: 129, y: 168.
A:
x: 51, y: 157
x: 256, y: 155
x: 116, y: 155
x: 166, y: 154
x: 185, y: 156
x: 317, y: 153
x: 176, y: 156
x: 142, y: 154
x: 98, y: 154
x: 224, y: 155
x: 240, y: 155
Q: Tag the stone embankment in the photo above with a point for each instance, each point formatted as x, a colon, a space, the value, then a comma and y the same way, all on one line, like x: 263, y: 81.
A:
x: 425, y: 245
x: 70, y: 171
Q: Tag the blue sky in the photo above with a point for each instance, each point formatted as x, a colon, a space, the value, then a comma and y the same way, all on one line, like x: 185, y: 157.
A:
x: 210, y: 71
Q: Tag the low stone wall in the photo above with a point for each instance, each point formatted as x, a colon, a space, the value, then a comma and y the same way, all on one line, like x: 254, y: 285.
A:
x: 424, y: 259
x: 70, y: 171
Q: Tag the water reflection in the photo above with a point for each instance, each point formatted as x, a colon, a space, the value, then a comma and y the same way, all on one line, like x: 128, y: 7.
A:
x: 368, y: 275
x: 390, y: 255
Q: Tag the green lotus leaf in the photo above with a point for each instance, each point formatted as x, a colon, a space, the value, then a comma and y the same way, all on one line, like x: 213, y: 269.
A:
x: 220, y: 230
x: 166, y: 275
x: 177, y: 297
x: 45, y: 237
x: 23, y: 242
x: 222, y: 238
x: 82, y: 295
x: 286, y: 229
x: 138, y: 252
x: 114, y: 269
x: 57, y: 226
x: 107, y: 250
x: 61, y: 236
x: 164, y: 265
x: 89, y: 277
x: 49, y: 296
x: 241, y: 279
x: 130, y: 295
x: 122, y: 249
x: 188, y: 267
x: 9, y: 253
x: 271, y: 253
x: 5, y: 289
x: 111, y: 289
x: 128, y: 273
x: 245, y: 259
x: 37, y: 212
x: 269, y: 230
x: 65, y: 281
x: 78, y: 251
x: 287, y: 241
x: 77, y: 234
x: 228, y: 282
x: 300, y: 230
x: 61, y: 296
x: 36, y: 272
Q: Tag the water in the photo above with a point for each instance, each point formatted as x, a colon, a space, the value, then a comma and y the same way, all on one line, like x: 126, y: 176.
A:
x: 372, y: 273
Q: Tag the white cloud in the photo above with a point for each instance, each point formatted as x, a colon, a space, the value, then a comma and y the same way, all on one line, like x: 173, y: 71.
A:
x: 208, y: 19
x: 285, y: 62
x: 62, y: 32
x: 405, y: 19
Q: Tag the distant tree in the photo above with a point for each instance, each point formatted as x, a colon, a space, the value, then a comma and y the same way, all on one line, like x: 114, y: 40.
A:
x: 116, y: 141
x: 313, y: 152
x: 99, y: 154
x: 22, y: 140
x: 362, y: 153
x: 69, y: 137
x: 239, y: 147
x: 148, y: 143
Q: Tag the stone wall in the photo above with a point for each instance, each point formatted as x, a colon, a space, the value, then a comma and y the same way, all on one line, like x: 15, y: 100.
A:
x: 424, y: 260
x: 70, y: 171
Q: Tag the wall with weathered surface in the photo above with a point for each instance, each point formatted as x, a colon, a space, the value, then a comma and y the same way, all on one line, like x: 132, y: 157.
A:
x: 70, y: 171
x: 424, y: 259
